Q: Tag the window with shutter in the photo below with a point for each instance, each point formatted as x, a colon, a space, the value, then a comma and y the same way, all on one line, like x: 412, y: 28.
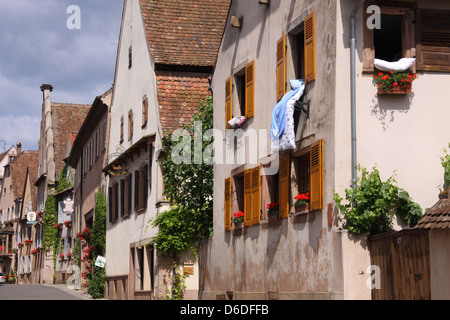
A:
x: 316, y: 178
x: 250, y: 90
x: 284, y: 185
x: 130, y: 124
x: 256, y: 195
x: 228, y: 101
x: 227, y: 204
x: 248, y: 197
x: 433, y: 40
x: 310, y: 48
x: 281, y: 67
x: 144, y: 111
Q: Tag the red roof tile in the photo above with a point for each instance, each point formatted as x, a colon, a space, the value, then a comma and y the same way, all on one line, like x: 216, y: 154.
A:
x: 438, y: 216
x: 184, y: 32
x: 26, y: 159
x: 179, y: 96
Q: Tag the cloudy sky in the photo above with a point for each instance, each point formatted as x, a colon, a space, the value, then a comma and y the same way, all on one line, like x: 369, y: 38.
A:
x: 36, y: 47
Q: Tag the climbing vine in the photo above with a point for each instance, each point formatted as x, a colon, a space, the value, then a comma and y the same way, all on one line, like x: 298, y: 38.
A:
x: 372, y: 205
x: 50, y: 219
x: 445, y: 162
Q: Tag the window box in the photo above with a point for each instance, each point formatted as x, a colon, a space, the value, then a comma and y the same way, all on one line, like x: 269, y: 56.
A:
x: 299, y: 210
x: 401, y: 89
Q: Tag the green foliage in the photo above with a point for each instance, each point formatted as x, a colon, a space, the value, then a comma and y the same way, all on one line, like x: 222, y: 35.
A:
x: 188, y: 187
x: 64, y: 183
x: 50, y: 219
x: 98, y: 242
x: 445, y: 161
x: 373, y: 204
x: 178, y: 285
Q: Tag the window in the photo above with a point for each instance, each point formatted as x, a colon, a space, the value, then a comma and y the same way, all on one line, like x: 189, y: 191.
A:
x: 310, y: 48
x: 130, y: 124
x: 122, y: 197
x: 127, y: 194
x: 269, y: 192
x: 395, y: 39
x: 130, y: 57
x: 121, y: 129
x: 144, y: 111
x: 104, y: 135
x: 141, y: 183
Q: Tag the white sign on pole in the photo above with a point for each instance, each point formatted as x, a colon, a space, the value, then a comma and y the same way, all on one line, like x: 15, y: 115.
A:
x: 100, y: 261
x: 31, y: 216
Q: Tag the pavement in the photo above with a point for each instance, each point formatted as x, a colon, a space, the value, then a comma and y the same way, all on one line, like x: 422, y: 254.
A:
x: 71, y: 290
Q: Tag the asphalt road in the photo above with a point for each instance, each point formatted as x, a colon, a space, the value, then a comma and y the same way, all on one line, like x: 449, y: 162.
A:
x: 39, y: 292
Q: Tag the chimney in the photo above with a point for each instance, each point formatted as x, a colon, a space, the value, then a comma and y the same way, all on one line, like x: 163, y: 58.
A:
x: 19, y: 148
x: 46, y: 89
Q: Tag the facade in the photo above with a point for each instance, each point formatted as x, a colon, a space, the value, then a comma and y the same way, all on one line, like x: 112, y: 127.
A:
x: 59, y: 121
x: 88, y: 156
x: 164, y: 59
x: 309, y: 255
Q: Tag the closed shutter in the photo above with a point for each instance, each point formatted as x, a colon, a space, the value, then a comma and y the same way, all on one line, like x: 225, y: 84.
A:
x: 256, y: 195
x: 281, y: 67
x: 144, y: 111
x: 316, y: 169
x: 228, y: 101
x: 310, y: 48
x: 433, y: 40
x: 250, y: 90
x: 284, y: 186
x: 227, y: 204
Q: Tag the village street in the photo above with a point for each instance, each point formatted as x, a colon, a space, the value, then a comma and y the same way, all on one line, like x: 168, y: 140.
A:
x: 40, y: 292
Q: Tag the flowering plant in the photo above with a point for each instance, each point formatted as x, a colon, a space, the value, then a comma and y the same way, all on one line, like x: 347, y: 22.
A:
x: 40, y: 214
x: 1, y: 248
x: 28, y: 242
x: 14, y: 250
x: 20, y: 245
x: 36, y: 251
x: 238, y: 217
x: 85, y: 234
x: 61, y: 256
x: 68, y: 224
x: 68, y: 255
x: 302, y: 199
x: 272, y: 208
x: 393, y: 79
x: 58, y: 226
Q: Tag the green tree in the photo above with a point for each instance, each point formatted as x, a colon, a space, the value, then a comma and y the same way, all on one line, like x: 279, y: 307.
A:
x: 372, y: 205
x: 188, y: 187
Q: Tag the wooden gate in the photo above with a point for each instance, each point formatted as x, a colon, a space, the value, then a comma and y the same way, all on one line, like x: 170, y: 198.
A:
x: 404, y: 261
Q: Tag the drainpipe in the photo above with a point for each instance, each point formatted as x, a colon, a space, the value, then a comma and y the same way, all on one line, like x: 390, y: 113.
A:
x: 353, y: 91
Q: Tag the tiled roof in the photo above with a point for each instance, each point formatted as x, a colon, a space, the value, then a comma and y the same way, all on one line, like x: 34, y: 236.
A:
x: 67, y: 119
x: 179, y: 96
x: 26, y: 159
x: 184, y: 32
x: 438, y: 216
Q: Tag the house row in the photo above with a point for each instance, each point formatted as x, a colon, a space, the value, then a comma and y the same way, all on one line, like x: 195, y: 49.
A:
x: 297, y: 108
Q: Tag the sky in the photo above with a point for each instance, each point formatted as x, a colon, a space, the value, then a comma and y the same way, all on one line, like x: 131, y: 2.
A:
x: 46, y: 41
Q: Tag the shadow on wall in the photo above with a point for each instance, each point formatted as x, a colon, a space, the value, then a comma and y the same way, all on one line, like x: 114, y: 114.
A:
x: 386, y: 107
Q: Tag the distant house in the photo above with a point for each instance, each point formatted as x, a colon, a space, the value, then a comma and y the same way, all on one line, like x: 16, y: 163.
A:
x: 59, y: 121
x: 167, y: 51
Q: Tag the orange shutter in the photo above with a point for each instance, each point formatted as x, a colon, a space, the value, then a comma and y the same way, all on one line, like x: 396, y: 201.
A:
x: 316, y: 172
x: 250, y: 90
x: 310, y: 48
x: 228, y: 101
x: 247, y: 197
x: 281, y: 67
x: 227, y: 204
x: 284, y: 185
x: 256, y: 195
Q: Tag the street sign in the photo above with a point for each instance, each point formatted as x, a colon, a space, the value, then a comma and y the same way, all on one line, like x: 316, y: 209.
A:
x: 100, y: 261
x: 31, y: 216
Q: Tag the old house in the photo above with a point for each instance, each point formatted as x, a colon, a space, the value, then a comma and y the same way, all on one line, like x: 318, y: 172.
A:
x: 58, y: 121
x: 167, y: 50
x: 334, y: 119
x: 88, y: 155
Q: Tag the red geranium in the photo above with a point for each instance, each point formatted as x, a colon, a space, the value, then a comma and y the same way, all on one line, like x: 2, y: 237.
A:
x: 302, y: 199
x: 272, y: 208
x: 238, y: 217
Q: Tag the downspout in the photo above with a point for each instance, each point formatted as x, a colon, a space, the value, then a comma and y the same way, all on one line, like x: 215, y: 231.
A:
x: 353, y: 91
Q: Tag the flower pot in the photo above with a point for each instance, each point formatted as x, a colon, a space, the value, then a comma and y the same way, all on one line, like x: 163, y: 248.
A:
x: 273, y: 217
x: 302, y: 209
x: 238, y: 225
x: 401, y: 89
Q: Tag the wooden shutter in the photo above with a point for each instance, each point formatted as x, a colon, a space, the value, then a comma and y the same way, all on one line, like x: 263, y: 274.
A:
x: 256, y: 195
x: 228, y: 101
x: 310, y: 48
x: 144, y: 111
x: 284, y: 185
x: 227, y: 204
x: 281, y: 67
x: 316, y: 171
x: 433, y: 40
x: 247, y: 197
x: 250, y: 90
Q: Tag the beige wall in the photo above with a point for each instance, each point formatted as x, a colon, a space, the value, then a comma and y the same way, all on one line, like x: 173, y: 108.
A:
x: 439, y: 262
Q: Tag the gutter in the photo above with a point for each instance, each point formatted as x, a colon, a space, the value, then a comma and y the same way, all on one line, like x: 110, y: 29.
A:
x: 353, y: 91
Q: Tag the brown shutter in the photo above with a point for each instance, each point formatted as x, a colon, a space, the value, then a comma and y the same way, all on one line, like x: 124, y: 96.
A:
x: 248, y: 197
x: 281, y: 67
x: 310, y: 48
x: 433, y: 40
x: 256, y: 195
x: 227, y: 204
x: 284, y: 185
x: 228, y: 101
x: 144, y: 111
x: 250, y: 90
x: 316, y: 171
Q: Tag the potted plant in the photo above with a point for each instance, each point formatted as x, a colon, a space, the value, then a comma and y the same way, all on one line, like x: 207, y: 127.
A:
x: 68, y: 255
x: 68, y: 224
x: 14, y: 250
x: 273, y: 210
x: 20, y: 245
x: 394, y: 82
x: 301, y: 203
x: 238, y: 219
x: 58, y: 226
x: 28, y: 242
x: 61, y: 256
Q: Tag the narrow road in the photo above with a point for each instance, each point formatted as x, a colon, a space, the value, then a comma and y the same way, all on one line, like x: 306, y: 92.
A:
x: 39, y: 292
